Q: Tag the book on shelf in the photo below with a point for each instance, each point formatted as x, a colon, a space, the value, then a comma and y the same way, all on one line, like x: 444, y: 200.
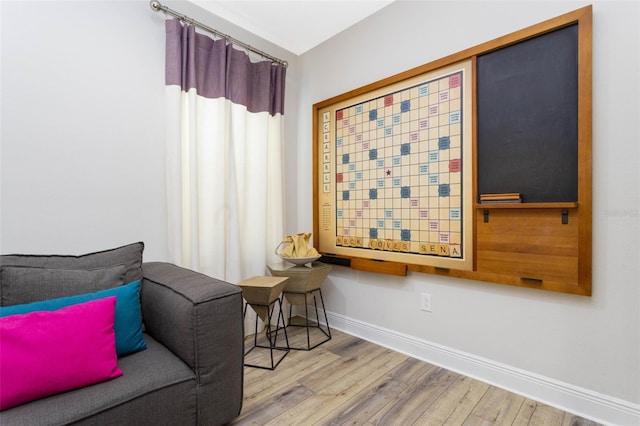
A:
x: 509, y: 197
x: 500, y: 201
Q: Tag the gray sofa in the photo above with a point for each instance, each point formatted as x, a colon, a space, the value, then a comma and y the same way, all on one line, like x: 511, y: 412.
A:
x: 191, y: 372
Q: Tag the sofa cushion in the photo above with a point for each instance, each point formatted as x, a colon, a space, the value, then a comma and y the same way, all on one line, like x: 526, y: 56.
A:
x: 156, y: 382
x: 25, y: 284
x: 129, y: 255
x: 128, y: 316
x: 48, y: 352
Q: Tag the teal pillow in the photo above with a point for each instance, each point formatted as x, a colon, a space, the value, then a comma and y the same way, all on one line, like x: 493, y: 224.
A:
x: 128, y: 316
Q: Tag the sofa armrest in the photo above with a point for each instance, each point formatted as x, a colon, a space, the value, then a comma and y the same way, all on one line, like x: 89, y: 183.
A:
x: 200, y: 319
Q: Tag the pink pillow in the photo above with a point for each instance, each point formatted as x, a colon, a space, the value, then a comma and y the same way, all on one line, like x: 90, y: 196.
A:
x: 47, y: 352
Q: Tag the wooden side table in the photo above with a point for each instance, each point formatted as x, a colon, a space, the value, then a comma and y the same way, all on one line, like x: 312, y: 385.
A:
x: 302, y: 288
x: 262, y: 293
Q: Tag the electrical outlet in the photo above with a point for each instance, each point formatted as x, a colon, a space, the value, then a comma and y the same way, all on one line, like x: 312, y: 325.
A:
x: 426, y: 302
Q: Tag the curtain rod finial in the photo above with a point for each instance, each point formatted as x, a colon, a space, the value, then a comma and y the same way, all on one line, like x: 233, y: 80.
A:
x: 155, y: 5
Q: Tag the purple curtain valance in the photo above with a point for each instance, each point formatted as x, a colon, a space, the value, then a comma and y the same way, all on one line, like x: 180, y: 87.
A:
x: 215, y: 69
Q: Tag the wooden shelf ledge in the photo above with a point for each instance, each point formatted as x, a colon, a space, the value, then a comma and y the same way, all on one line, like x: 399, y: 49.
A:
x: 567, y: 205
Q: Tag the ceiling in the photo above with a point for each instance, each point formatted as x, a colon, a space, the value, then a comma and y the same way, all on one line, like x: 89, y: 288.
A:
x: 294, y: 25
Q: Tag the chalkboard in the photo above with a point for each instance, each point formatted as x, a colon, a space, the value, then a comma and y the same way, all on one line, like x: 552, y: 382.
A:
x: 527, y: 118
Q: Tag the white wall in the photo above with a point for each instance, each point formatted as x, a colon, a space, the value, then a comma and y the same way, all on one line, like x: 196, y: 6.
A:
x: 82, y: 138
x: 82, y: 135
x: 591, y: 343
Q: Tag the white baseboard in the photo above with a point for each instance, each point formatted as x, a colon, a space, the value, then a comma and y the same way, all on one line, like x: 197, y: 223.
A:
x: 582, y: 402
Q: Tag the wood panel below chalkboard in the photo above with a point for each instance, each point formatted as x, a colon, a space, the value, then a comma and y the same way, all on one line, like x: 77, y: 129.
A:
x: 532, y: 244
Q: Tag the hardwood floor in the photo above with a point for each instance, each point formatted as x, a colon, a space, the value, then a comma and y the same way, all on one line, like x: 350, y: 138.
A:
x: 348, y: 380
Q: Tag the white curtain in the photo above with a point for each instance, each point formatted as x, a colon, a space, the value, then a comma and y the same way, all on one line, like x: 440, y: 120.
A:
x: 224, y: 157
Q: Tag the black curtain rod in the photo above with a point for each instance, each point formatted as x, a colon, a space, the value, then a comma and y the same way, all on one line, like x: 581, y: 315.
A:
x: 155, y: 5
